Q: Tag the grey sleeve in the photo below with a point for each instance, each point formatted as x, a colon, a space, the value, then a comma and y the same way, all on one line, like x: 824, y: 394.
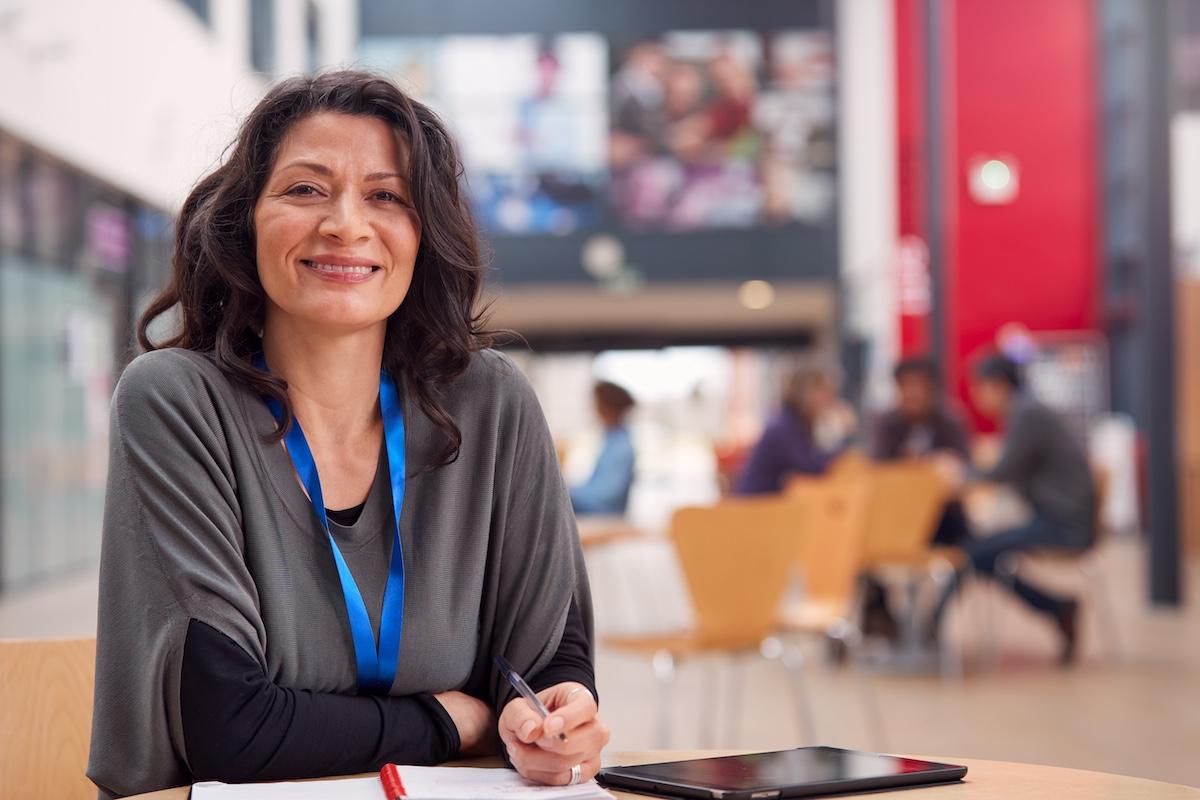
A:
x: 535, y: 563
x: 1022, y: 446
x: 171, y: 552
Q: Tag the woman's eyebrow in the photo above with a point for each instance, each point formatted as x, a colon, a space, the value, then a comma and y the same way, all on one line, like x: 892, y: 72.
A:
x: 321, y: 169
x: 312, y: 165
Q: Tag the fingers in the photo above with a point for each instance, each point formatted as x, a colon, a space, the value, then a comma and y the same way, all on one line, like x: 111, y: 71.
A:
x: 576, y: 711
x: 549, y: 757
x: 549, y: 754
x: 520, y: 723
x: 562, y: 777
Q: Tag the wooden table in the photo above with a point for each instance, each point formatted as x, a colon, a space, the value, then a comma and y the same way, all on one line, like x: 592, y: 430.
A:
x: 596, y: 530
x: 985, y: 780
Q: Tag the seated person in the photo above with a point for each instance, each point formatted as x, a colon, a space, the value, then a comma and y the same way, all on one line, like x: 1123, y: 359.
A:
x: 1042, y: 461
x: 919, y: 426
x: 326, y: 492
x: 812, y: 427
x: 606, y: 491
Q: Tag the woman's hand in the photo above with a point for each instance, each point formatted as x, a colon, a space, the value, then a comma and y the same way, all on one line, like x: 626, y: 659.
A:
x: 474, y: 720
x: 533, y: 744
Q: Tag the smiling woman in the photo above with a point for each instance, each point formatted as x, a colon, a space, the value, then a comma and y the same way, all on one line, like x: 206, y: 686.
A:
x: 326, y: 494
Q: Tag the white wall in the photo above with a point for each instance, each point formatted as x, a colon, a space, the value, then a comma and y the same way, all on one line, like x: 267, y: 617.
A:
x: 867, y: 128
x: 1185, y: 192
x: 141, y: 93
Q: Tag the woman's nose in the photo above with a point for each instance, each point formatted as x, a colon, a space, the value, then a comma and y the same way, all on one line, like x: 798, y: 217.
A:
x: 346, y: 220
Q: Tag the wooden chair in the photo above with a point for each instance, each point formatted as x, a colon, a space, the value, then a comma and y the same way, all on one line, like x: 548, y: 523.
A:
x: 736, y: 557
x: 829, y: 561
x: 46, y: 718
x: 905, y: 501
x: 908, y: 498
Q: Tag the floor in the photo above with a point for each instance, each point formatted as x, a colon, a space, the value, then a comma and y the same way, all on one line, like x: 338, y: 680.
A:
x: 1138, y: 716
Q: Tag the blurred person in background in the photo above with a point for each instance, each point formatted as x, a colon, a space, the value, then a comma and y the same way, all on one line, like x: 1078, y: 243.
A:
x: 606, y: 491
x: 312, y: 479
x: 811, y: 428
x: 919, y: 426
x: 1044, y: 463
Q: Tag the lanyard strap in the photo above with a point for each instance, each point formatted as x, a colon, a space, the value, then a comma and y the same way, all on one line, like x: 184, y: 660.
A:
x: 376, y: 667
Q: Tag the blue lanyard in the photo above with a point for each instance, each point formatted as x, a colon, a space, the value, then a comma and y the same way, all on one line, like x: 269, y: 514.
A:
x: 376, y: 668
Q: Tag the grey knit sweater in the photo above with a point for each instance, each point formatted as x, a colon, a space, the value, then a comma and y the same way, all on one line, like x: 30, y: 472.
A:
x: 205, y: 521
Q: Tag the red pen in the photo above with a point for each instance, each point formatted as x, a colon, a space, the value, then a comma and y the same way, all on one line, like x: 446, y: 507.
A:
x: 393, y: 787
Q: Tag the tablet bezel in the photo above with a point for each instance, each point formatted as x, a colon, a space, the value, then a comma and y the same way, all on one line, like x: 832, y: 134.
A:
x: 626, y: 778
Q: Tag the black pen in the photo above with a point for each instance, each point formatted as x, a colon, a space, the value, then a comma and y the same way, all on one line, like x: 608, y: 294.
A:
x: 518, y: 683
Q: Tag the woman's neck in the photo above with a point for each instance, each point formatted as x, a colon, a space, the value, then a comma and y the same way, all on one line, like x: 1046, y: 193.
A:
x: 333, y: 378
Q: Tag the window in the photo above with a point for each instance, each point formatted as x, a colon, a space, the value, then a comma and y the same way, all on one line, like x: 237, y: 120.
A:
x: 262, y: 35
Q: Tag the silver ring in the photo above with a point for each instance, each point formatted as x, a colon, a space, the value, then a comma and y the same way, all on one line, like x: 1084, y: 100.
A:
x: 571, y: 693
x: 576, y: 775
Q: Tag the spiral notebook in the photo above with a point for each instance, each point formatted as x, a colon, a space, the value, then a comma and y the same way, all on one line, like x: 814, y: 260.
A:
x: 419, y: 783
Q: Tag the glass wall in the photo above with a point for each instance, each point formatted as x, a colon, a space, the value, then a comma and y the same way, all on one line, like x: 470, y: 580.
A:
x: 76, y: 259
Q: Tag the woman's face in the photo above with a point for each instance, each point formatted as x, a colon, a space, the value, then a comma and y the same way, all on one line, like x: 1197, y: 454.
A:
x: 336, y: 232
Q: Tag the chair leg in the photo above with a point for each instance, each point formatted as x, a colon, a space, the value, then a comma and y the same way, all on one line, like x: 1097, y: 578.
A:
x: 1007, y: 565
x: 951, y: 665
x: 1097, y: 584
x: 708, y: 703
x: 872, y: 715
x: 664, y: 673
x: 793, y: 661
x: 733, y: 719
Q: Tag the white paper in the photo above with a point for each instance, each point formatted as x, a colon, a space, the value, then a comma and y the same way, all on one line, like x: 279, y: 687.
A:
x: 420, y: 783
x: 342, y: 789
x: 473, y: 783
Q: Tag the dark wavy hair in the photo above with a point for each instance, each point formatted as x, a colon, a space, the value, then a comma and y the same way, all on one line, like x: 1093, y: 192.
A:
x: 215, y: 283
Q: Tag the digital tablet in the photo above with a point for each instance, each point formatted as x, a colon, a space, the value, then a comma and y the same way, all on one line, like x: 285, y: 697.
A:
x: 803, y: 772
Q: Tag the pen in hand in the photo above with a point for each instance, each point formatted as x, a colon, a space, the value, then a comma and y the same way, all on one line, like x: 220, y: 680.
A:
x: 523, y: 689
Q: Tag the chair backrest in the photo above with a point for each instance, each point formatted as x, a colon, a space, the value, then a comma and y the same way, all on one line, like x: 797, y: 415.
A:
x: 46, y: 718
x: 736, y: 557
x: 906, y: 501
x: 851, y: 465
x: 830, y: 550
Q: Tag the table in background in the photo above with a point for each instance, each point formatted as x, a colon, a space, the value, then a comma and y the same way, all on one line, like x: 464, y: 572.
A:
x: 985, y: 780
x: 602, y: 529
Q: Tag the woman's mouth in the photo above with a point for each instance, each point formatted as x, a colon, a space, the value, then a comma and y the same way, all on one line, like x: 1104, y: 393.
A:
x: 339, y: 272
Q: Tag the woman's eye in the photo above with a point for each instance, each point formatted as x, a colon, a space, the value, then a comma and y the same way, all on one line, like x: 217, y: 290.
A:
x: 390, y: 197
x: 302, y: 190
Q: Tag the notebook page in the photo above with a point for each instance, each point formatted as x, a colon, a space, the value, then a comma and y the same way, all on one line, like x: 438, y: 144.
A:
x: 420, y: 783
x: 341, y: 789
x: 472, y: 783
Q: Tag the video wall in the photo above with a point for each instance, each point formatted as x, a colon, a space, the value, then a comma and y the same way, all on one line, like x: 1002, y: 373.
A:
x: 677, y: 132
x: 696, y: 149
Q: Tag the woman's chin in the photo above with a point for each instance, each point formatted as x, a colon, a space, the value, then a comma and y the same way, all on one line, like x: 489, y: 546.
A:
x: 342, y: 321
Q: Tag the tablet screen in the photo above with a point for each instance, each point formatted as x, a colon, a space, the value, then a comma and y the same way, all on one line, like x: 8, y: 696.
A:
x: 807, y: 765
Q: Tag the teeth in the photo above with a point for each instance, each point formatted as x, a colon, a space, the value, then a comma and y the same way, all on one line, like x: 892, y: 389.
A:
x: 336, y: 268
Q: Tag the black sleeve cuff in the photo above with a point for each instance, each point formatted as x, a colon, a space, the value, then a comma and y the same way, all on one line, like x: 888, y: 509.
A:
x: 239, y: 726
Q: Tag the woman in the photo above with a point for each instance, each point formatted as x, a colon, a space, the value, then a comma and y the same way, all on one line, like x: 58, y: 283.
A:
x: 811, y: 429
x: 329, y: 505
x: 606, y: 491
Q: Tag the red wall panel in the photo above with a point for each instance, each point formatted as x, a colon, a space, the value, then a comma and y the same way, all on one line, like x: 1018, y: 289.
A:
x: 1020, y: 81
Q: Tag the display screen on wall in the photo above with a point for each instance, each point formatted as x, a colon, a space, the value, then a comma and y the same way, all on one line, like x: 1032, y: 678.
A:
x: 690, y: 140
x: 529, y: 114
x: 713, y: 129
x: 684, y: 131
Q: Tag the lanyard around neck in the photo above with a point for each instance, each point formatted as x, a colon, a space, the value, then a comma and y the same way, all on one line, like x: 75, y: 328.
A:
x: 376, y: 666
